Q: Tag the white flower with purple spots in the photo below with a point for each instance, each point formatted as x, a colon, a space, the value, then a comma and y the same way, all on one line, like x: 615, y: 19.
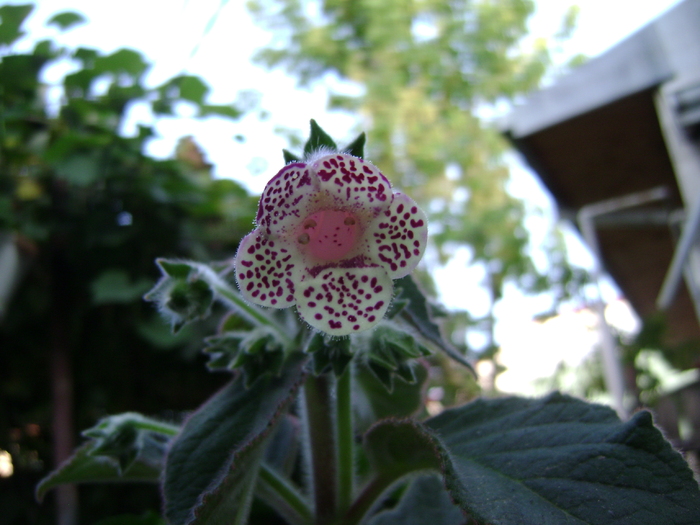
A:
x: 330, y: 237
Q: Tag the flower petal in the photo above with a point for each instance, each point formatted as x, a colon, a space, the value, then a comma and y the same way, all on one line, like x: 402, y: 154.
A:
x: 398, y: 236
x: 353, y: 181
x: 286, y: 199
x: 267, y: 270
x: 342, y: 301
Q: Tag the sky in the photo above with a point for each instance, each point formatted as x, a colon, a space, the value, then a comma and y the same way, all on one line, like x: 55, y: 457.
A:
x: 173, y: 35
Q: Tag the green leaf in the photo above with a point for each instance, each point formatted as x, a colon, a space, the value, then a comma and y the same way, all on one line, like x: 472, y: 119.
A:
x: 131, y: 436
x: 115, y: 286
x: 125, y: 447
x: 184, y: 296
x: 255, y: 352
x: 83, y: 467
x: 212, y: 464
x: 373, y: 401
x: 417, y: 313
x: 357, y: 146
x: 66, y: 20
x: 221, y: 110
x: 559, y: 460
x: 79, y: 170
x: 173, y: 268
x: 425, y: 502
x: 289, y: 157
x: 122, y: 61
x: 318, y: 139
x: 11, y: 20
x: 191, y: 88
x: 229, y: 502
x: 396, y: 448
x: 329, y: 353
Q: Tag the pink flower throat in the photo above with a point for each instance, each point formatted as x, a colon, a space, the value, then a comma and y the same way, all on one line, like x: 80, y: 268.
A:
x: 328, y: 235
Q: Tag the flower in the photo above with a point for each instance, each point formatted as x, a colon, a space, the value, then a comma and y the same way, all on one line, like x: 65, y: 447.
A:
x: 330, y: 236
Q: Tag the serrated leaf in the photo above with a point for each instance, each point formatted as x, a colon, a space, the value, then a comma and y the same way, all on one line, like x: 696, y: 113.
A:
x: 66, y: 20
x: 560, y: 460
x: 373, y: 401
x: 318, y: 139
x: 202, y: 467
x: 425, y: 502
x: 357, y: 146
x: 417, y: 313
x: 84, y: 467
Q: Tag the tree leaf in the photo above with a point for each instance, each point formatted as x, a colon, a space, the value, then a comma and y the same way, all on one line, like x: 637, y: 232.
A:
x: 560, y: 460
x: 122, y: 61
x: 213, y: 462
x: 66, y: 20
x: 11, y: 20
x: 115, y: 286
x: 191, y: 88
x: 80, y: 170
x: 425, y: 501
x: 220, y: 110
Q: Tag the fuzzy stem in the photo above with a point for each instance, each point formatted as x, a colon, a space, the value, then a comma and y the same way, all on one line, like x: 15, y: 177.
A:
x: 284, y: 497
x: 367, y: 499
x: 346, y: 461
x: 321, y: 431
x: 229, y: 296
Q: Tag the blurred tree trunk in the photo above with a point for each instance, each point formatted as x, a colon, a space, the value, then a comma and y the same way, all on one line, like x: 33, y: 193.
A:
x: 63, y: 421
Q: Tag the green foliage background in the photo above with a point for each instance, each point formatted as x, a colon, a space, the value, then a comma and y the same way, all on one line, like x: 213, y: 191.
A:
x: 89, y: 212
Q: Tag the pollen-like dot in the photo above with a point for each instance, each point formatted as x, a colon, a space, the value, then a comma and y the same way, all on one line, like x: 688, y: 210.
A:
x: 304, y: 238
x: 349, y: 221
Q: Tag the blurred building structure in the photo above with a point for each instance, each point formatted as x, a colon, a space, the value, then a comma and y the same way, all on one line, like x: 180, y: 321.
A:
x: 616, y: 135
x: 617, y: 143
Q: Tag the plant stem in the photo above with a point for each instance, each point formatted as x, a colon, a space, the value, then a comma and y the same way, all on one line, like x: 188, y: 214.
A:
x: 281, y: 495
x: 228, y: 295
x: 346, y: 460
x: 367, y: 499
x: 321, y: 431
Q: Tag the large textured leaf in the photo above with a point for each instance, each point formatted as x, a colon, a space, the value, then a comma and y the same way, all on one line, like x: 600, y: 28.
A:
x: 211, y: 467
x: 562, y: 461
x: 425, y: 502
x: 399, y: 447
